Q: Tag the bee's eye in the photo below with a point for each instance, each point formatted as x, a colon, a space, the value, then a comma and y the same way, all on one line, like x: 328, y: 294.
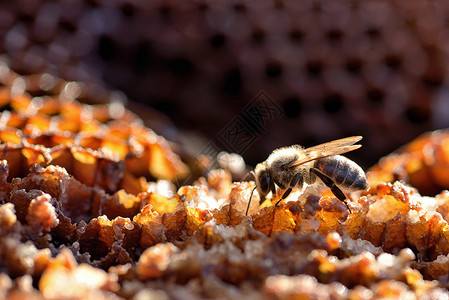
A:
x: 264, y: 182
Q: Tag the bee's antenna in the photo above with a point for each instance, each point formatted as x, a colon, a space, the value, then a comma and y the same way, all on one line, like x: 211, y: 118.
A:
x: 249, y: 202
x: 253, y: 174
x: 249, y: 175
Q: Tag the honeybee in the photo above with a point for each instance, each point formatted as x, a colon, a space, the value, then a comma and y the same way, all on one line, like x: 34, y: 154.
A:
x: 292, y: 167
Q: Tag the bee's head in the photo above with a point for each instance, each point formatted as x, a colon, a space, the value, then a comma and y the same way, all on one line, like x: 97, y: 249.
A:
x: 263, y: 180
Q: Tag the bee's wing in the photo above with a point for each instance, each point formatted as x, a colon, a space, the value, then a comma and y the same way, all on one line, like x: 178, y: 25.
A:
x: 328, y: 149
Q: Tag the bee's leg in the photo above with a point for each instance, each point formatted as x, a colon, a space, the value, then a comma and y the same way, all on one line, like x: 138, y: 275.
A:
x: 273, y: 189
x: 331, y: 184
x: 285, y: 195
x: 289, y: 190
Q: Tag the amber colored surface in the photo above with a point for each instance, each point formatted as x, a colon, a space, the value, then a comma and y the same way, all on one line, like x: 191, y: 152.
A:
x: 423, y: 163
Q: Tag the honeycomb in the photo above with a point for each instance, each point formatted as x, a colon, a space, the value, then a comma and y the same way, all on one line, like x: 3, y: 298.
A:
x: 422, y: 163
x: 102, y: 145
x: 97, y: 205
x: 374, y: 68
x: 90, y: 210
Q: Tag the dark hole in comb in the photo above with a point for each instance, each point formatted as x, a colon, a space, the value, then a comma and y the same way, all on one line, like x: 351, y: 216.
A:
x: 314, y: 68
x: 393, y: 62
x: 91, y: 3
x: 202, y: 7
x: 273, y: 70
x: 180, y: 66
x: 373, y: 32
x: 375, y: 95
x: 292, y: 107
x: 432, y: 81
x: 218, y: 40
x: 417, y: 114
x: 25, y: 17
x: 258, y: 36
x: 296, y: 35
x: 106, y: 48
x: 7, y: 106
x: 166, y: 12
x: 44, y: 140
x: 334, y: 35
x: 239, y: 7
x: 94, y: 246
x: 142, y: 58
x: 354, y: 65
x: 165, y: 106
x: 232, y: 83
x: 253, y: 120
x: 128, y: 10
x: 333, y: 103
x: 67, y: 26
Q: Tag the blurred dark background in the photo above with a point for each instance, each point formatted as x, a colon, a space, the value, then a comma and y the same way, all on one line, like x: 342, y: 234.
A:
x: 330, y: 68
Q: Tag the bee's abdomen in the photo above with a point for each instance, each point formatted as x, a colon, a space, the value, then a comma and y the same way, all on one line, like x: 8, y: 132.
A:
x: 343, y: 171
